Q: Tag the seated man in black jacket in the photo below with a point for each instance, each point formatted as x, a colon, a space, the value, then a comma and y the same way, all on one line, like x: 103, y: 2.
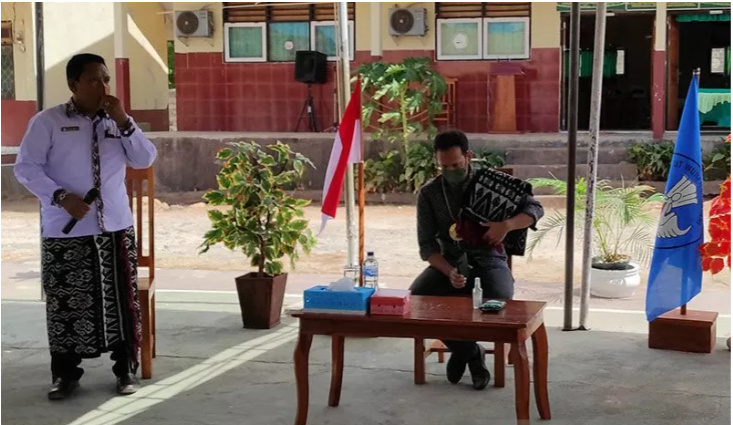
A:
x: 454, y: 267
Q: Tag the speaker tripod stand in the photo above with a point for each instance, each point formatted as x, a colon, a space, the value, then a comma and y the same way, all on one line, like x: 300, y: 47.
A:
x: 308, y: 113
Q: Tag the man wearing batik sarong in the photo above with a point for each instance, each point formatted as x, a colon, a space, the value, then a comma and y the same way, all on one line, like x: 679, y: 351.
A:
x: 90, y: 273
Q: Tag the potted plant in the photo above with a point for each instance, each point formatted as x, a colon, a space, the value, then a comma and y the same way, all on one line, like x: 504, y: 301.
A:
x: 623, y: 232
x: 261, y: 220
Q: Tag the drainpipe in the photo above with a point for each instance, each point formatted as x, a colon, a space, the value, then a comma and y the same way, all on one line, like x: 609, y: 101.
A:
x: 40, y: 87
x: 40, y: 65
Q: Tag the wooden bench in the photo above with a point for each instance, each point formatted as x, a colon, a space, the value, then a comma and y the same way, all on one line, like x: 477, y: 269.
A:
x: 501, y: 355
x: 140, y: 185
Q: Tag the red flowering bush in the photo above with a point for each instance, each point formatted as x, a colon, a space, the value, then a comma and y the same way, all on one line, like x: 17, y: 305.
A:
x: 716, y: 252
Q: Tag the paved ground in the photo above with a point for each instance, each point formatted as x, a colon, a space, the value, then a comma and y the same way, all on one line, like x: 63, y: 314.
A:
x: 21, y: 281
x: 210, y: 371
x: 390, y: 231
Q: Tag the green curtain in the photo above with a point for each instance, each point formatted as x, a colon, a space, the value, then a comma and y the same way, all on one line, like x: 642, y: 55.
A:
x: 586, y: 63
x: 727, y: 60
x: 724, y: 17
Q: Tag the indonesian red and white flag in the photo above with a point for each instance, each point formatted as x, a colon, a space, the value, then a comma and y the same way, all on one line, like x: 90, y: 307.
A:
x: 346, y: 150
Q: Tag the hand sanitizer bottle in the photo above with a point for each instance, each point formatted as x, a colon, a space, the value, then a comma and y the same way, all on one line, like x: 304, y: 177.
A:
x: 478, y: 294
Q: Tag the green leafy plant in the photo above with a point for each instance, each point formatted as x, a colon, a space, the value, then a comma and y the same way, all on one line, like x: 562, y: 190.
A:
x: 622, y: 223
x: 405, y: 97
x: 262, y: 221
x: 382, y: 175
x: 652, y: 160
x: 420, y: 166
x: 717, y: 163
x: 489, y: 159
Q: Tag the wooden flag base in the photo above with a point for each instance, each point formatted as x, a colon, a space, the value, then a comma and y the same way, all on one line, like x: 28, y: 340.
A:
x: 693, y: 332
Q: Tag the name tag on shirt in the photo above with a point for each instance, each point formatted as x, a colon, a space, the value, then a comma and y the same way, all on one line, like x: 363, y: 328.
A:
x: 70, y: 128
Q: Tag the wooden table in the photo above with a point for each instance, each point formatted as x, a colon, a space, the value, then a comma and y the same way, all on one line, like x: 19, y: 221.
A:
x: 439, y: 318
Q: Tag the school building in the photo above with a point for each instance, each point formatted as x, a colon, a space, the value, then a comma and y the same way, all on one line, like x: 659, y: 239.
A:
x: 233, y: 64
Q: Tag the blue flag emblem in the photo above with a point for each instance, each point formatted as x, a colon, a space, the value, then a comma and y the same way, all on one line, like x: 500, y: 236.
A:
x: 675, y: 275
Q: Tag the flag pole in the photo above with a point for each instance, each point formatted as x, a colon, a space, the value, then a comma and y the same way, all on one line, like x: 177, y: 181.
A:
x: 695, y: 75
x: 594, y: 130
x: 343, y: 50
x: 572, y: 145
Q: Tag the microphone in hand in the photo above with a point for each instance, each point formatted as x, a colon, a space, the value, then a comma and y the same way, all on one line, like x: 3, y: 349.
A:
x: 90, y: 197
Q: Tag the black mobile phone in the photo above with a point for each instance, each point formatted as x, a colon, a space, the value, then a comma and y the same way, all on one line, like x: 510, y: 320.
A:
x: 463, y: 266
x: 492, y: 306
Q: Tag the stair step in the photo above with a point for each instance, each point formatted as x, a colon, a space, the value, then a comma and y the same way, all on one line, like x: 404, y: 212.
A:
x: 623, y: 171
x: 559, y: 156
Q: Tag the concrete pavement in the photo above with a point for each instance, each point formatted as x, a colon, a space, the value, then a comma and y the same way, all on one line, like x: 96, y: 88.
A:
x: 21, y: 281
x: 211, y: 371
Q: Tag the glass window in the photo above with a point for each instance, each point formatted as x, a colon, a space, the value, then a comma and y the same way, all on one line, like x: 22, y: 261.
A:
x: 506, y: 38
x: 323, y: 38
x: 459, y: 39
x: 286, y: 38
x: 245, y: 42
x: 8, y: 72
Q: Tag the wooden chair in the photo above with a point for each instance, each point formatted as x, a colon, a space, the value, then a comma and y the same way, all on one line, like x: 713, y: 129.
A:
x: 140, y: 184
x: 447, y: 118
x: 499, y: 350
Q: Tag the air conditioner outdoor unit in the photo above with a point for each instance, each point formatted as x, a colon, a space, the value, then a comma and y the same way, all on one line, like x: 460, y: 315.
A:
x: 407, y: 21
x: 194, y: 23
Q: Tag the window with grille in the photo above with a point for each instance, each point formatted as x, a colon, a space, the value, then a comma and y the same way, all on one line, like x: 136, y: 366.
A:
x: 254, y: 32
x: 482, y: 30
x: 8, y: 66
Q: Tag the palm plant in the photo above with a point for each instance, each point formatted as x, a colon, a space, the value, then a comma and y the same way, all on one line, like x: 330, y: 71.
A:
x: 622, y: 222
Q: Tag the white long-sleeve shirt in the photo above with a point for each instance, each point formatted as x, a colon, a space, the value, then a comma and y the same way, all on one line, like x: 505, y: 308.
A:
x: 56, y: 153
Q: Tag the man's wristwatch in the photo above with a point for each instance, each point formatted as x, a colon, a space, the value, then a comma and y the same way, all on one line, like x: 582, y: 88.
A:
x: 58, y: 197
x: 127, y: 128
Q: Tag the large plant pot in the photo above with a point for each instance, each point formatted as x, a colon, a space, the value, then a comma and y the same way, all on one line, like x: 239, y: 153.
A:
x: 615, y: 283
x: 261, y: 299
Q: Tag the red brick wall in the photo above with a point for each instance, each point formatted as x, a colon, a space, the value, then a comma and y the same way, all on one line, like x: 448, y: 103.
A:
x: 214, y: 96
x: 157, y: 118
x: 15, y: 117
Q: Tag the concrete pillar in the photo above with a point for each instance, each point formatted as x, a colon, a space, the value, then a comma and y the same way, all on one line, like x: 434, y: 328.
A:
x: 659, y: 71
x: 122, y: 60
x: 375, y: 30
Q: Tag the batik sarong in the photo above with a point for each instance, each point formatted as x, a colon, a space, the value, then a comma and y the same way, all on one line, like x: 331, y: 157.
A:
x: 92, y: 303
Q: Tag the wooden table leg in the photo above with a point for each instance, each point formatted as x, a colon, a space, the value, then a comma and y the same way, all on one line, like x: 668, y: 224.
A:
x: 300, y: 361
x: 499, y: 364
x: 337, y: 369
x: 540, y: 365
x: 419, y: 361
x: 521, y: 380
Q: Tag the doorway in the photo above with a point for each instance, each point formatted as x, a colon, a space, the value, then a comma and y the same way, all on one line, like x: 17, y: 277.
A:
x: 699, y: 41
x: 627, y: 71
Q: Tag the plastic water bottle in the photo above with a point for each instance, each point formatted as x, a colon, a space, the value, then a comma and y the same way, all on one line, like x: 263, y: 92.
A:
x: 478, y: 294
x: 371, y: 271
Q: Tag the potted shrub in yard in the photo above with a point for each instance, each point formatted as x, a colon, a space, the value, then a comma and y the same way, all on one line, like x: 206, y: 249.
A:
x: 624, y: 227
x: 261, y: 220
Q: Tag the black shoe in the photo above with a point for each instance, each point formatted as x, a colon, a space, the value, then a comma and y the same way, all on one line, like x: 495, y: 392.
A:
x: 479, y: 373
x: 455, y: 368
x: 62, y: 388
x: 127, y: 384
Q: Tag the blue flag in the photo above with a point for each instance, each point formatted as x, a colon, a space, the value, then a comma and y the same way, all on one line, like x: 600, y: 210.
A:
x: 675, y: 276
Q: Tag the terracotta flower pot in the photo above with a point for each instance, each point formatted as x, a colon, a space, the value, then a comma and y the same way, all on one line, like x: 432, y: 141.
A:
x: 261, y: 299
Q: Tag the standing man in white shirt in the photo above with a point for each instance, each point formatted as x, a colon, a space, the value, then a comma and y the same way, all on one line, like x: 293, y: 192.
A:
x: 89, y: 272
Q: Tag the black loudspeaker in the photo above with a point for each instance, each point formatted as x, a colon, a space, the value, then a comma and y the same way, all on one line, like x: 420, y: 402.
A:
x: 310, y: 67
